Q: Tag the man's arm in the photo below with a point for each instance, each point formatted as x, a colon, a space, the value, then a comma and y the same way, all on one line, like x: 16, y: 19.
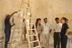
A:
x: 12, y: 25
x: 13, y: 14
x: 50, y: 29
x: 67, y: 32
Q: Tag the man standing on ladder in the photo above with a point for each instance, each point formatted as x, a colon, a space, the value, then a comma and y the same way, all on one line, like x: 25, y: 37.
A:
x: 8, y: 28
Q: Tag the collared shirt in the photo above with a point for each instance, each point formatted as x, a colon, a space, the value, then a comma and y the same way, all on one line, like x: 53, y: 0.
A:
x: 58, y: 27
x: 45, y: 28
x: 64, y: 29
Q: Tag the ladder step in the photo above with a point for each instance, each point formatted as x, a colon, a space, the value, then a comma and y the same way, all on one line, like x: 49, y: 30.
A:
x: 31, y: 23
x: 34, y: 41
x: 15, y: 37
x: 32, y: 35
x: 30, y: 18
x: 36, y: 47
x: 31, y: 29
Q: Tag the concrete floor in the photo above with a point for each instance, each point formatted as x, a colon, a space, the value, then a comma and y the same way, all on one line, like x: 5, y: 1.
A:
x: 25, y: 44
x: 69, y: 45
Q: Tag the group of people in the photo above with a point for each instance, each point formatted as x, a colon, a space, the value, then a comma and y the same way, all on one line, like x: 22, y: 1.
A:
x: 60, y: 31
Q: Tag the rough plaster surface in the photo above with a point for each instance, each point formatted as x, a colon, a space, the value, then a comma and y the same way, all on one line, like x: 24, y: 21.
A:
x: 39, y: 8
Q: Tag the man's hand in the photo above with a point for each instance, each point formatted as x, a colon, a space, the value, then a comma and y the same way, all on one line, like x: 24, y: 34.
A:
x: 13, y: 13
x: 66, y: 34
x: 50, y: 30
x: 13, y: 25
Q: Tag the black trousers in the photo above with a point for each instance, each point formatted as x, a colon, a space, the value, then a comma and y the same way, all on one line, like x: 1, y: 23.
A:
x: 63, y: 41
x: 7, y: 37
x: 57, y: 40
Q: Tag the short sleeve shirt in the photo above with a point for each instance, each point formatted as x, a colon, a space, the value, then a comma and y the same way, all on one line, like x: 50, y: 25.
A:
x: 64, y: 29
x: 45, y: 28
x: 58, y: 27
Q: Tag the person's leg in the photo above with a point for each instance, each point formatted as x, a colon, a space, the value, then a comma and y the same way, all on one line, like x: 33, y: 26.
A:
x: 44, y: 41
x: 63, y: 42
x: 24, y: 35
x: 39, y: 36
x: 47, y: 40
x: 7, y: 38
x: 59, y: 40
x: 55, y: 40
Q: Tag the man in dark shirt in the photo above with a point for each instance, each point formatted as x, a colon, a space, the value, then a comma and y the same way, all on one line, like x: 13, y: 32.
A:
x: 64, y: 33
x: 8, y: 28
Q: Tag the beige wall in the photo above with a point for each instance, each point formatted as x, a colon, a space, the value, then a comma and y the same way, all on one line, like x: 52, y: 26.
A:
x: 39, y: 8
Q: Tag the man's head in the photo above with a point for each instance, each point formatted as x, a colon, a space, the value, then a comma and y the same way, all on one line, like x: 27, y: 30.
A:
x: 57, y: 20
x: 45, y: 20
x: 7, y: 16
x: 63, y: 20
x: 66, y: 20
x: 38, y: 21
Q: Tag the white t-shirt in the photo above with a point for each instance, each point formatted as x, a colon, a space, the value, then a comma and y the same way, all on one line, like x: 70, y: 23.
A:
x: 58, y: 27
x: 45, y: 28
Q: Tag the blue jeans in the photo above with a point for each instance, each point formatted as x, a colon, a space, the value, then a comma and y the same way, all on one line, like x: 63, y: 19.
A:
x: 7, y: 37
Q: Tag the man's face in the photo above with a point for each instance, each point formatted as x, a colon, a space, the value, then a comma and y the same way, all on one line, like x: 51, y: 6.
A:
x: 7, y: 16
x: 45, y: 21
x: 39, y: 21
x: 66, y: 21
x: 62, y: 21
x: 57, y: 21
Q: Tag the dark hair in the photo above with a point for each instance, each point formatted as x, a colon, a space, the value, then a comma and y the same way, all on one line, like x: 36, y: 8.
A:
x: 45, y: 19
x: 65, y: 19
x: 37, y: 21
x: 56, y: 18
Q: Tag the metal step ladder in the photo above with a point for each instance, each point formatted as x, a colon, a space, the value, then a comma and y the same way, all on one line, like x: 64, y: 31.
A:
x: 31, y: 33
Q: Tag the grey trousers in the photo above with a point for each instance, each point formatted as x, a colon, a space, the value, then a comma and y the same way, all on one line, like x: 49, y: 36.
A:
x: 45, y: 40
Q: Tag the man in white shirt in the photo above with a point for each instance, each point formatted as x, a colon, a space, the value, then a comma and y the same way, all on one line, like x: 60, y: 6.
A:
x: 45, y: 34
x: 57, y: 30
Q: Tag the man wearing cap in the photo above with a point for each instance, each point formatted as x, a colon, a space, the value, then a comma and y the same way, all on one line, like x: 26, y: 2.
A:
x: 45, y: 33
